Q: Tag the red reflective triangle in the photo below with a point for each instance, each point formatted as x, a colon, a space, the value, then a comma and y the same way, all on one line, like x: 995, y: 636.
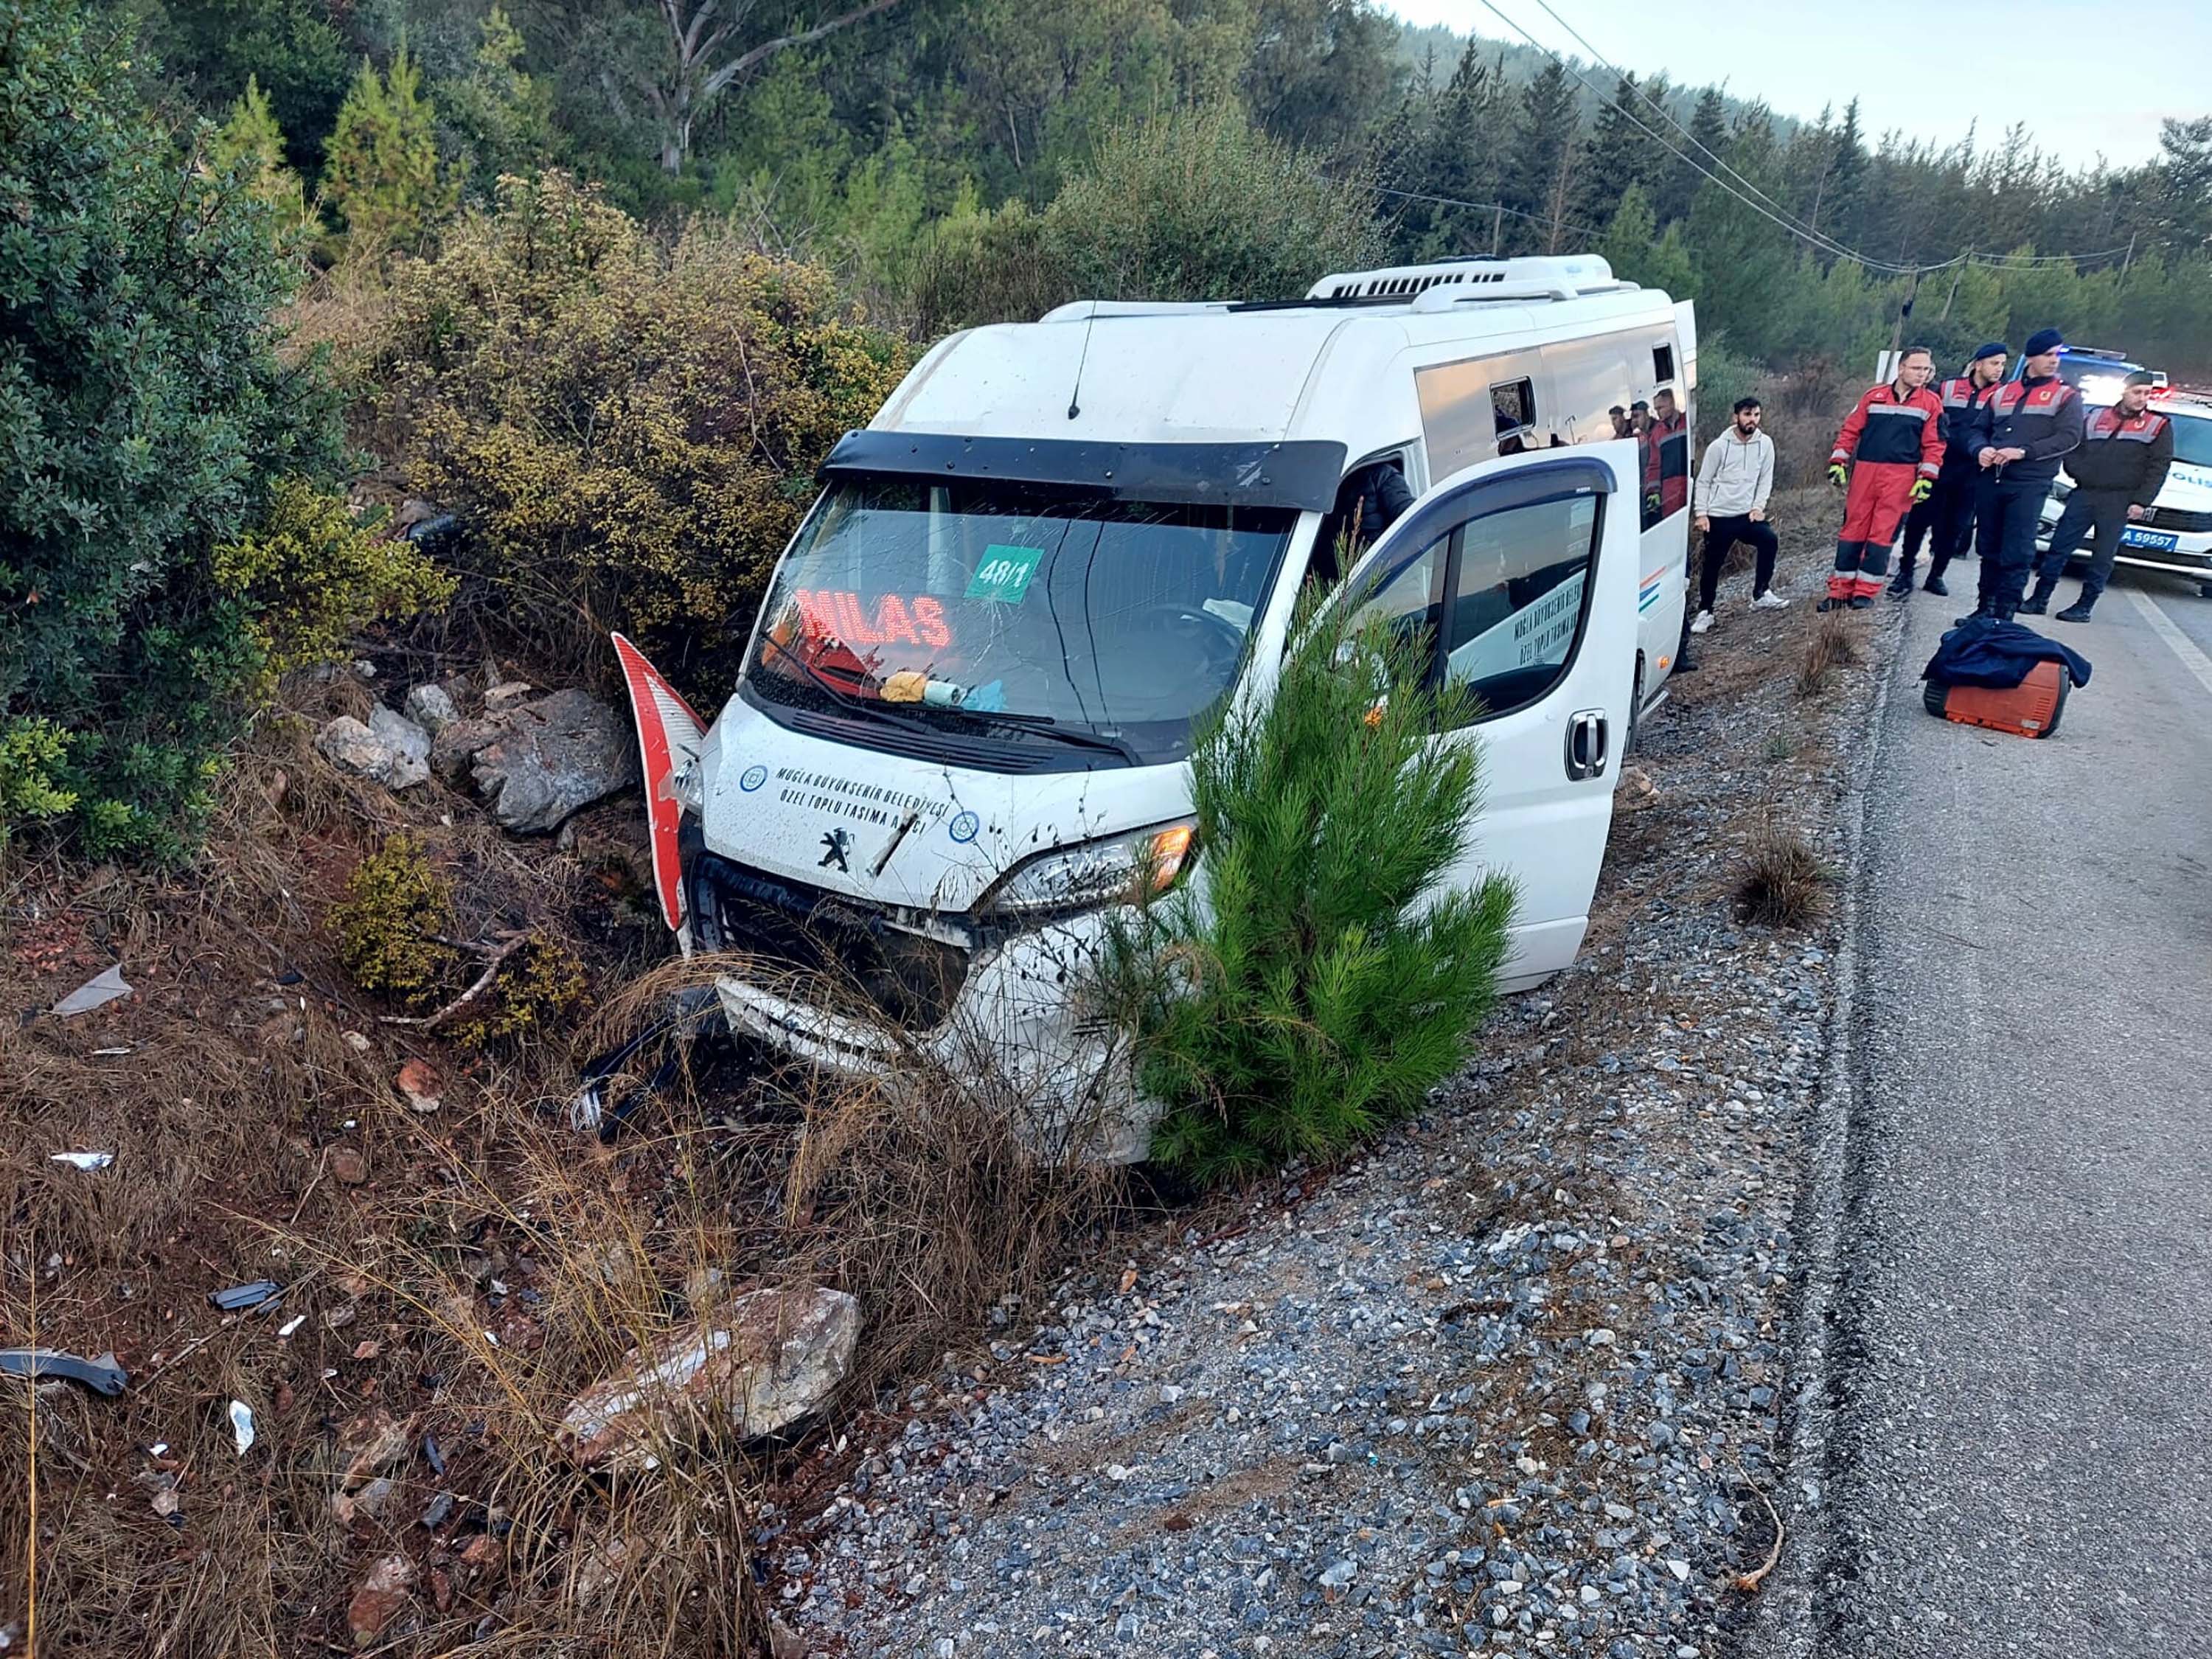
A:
x: 667, y: 732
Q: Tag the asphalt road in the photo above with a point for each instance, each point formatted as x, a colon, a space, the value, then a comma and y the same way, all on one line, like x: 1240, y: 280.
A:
x: 2017, y: 1452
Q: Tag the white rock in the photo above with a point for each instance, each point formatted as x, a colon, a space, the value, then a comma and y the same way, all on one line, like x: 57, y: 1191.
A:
x: 390, y: 750
x: 768, y: 1358
x: 430, y: 705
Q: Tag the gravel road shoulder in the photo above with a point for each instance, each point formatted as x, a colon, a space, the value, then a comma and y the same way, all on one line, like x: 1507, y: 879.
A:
x: 1511, y: 1382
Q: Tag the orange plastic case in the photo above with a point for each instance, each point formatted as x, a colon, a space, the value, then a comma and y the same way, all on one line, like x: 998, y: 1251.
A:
x: 2030, y: 709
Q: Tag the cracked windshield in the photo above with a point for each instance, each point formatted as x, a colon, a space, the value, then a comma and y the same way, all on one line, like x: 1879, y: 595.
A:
x: 998, y: 606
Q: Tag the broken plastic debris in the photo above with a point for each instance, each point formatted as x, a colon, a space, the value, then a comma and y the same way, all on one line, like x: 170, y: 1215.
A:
x: 241, y: 1426
x: 101, y: 1375
x: 84, y: 1160
x: 432, y: 1455
x: 290, y: 1326
x: 238, y: 1297
x: 97, y: 992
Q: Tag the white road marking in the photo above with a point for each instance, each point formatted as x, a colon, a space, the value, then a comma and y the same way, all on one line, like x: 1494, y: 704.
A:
x: 2184, y: 647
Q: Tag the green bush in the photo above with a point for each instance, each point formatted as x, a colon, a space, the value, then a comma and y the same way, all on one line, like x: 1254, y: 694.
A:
x: 147, y: 418
x: 31, y: 753
x: 541, y: 985
x: 312, y: 576
x: 392, y: 924
x: 1314, y: 983
x: 1196, y: 204
x: 629, y: 429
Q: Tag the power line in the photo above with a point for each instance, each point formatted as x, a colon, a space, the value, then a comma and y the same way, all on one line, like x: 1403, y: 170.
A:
x: 1766, y: 205
x: 1486, y: 207
x: 1824, y: 244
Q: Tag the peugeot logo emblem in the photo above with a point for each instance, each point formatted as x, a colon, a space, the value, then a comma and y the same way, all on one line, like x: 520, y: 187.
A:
x: 836, y: 844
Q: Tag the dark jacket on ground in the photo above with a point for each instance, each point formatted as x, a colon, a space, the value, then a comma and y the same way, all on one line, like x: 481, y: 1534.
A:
x: 1997, y: 654
x: 2119, y: 454
x: 2043, y: 417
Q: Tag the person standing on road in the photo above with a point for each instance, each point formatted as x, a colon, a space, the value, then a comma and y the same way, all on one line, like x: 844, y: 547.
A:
x: 2119, y: 471
x: 1729, y: 501
x: 2019, y: 432
x: 1893, y: 435
x: 1949, y: 511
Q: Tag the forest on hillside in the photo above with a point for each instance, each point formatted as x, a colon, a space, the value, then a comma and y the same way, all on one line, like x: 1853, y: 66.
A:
x: 845, y: 133
x: 603, y: 279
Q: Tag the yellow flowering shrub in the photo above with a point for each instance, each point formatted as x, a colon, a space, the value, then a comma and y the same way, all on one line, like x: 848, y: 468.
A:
x: 627, y: 426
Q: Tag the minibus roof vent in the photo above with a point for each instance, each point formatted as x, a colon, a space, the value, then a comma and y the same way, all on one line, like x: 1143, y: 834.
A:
x: 1470, y: 278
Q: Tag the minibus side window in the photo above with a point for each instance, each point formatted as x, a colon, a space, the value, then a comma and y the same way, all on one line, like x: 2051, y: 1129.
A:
x: 1411, y: 603
x: 1516, y: 603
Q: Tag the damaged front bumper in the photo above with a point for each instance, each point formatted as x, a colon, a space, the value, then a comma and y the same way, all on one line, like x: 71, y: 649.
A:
x: 868, y: 995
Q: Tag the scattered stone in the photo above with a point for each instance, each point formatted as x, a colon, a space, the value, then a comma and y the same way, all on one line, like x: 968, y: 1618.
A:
x: 371, y: 1503
x: 600, y: 1568
x: 348, y: 1166
x: 387, y: 1589
x: 390, y: 749
x: 418, y: 1085
x: 1635, y: 791
x: 430, y: 705
x: 768, y: 1358
x: 373, y: 1443
x: 457, y: 744
x: 505, y: 695
x: 556, y: 754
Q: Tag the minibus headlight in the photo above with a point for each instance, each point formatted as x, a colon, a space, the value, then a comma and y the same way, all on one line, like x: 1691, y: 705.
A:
x: 687, y: 786
x: 1118, y: 870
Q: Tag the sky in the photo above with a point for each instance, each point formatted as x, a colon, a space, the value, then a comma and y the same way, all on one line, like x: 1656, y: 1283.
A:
x: 2088, y: 78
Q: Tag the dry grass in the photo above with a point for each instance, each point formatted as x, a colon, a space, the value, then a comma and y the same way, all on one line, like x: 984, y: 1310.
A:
x: 1784, y: 883
x: 1832, y: 643
x: 494, y: 1263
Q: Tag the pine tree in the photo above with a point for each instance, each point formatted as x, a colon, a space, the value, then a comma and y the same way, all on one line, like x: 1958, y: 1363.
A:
x: 249, y: 143
x: 381, y: 170
x: 1847, y: 171
x: 1466, y: 134
x: 1619, y: 155
x: 503, y: 118
x: 1544, y: 157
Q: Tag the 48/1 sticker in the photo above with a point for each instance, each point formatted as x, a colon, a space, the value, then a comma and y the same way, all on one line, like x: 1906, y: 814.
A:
x: 1004, y: 575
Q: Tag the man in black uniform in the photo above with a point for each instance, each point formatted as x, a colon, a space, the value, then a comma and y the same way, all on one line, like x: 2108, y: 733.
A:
x: 1949, y: 512
x: 2019, y: 432
x: 2117, y: 473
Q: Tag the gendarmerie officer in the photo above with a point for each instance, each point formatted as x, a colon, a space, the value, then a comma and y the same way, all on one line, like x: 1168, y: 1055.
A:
x: 2020, y: 431
x: 1948, y: 515
x: 2117, y: 473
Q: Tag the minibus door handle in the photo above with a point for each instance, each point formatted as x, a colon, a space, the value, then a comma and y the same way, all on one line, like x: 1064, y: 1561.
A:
x: 1587, y: 745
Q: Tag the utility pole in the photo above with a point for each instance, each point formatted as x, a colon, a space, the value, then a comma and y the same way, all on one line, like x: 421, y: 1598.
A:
x: 1958, y: 271
x: 1497, y: 228
x: 2127, y: 261
x: 1904, y: 311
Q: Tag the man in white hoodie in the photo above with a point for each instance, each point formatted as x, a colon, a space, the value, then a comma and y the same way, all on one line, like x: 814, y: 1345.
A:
x: 1729, y: 503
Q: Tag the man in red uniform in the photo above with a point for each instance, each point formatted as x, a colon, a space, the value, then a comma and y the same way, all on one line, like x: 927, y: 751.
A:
x: 1893, y: 434
x: 1666, y: 443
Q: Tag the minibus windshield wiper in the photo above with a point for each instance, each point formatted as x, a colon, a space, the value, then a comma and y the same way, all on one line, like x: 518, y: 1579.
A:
x: 1046, y: 726
x: 867, y: 709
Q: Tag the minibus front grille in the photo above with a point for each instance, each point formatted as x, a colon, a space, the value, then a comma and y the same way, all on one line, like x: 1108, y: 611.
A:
x: 842, y: 954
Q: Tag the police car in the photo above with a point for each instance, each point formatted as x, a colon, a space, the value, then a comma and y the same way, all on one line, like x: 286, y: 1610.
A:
x: 2175, y: 537
x: 2098, y: 375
